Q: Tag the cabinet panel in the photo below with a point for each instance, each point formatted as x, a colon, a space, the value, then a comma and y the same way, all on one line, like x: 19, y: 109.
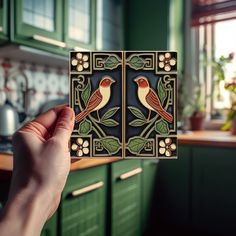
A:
x: 148, y: 190
x: 126, y: 198
x: 214, y: 193
x: 39, y: 23
x: 80, y: 23
x: 83, y: 206
x: 3, y: 20
x: 173, y: 189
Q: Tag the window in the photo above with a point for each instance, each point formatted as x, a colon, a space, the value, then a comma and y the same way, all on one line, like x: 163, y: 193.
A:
x: 214, y: 27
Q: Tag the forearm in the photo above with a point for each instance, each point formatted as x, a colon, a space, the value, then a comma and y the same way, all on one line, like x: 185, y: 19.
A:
x: 24, y: 214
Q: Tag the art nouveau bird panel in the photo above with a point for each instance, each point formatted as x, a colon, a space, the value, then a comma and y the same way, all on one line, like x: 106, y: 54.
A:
x: 125, y: 104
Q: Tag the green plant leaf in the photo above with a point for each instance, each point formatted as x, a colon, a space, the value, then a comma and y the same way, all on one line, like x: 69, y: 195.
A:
x: 111, y: 144
x: 137, y: 122
x: 136, y: 112
x: 136, y: 144
x: 85, y: 127
x: 111, y: 62
x: 86, y: 93
x: 136, y: 62
x: 111, y: 112
x: 161, y: 127
x: 109, y: 122
x: 161, y: 91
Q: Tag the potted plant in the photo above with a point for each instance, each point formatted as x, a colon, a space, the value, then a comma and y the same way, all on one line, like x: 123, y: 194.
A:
x: 195, y: 110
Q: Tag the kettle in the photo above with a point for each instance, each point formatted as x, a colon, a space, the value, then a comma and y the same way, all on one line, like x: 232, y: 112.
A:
x: 9, y: 120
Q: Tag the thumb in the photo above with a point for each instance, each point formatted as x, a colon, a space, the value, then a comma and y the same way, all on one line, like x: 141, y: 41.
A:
x: 64, y: 125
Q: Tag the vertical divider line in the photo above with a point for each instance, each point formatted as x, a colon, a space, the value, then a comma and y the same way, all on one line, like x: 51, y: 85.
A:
x: 123, y: 103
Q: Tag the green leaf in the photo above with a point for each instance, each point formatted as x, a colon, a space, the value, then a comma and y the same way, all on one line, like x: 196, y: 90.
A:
x: 137, y: 122
x: 111, y: 62
x: 85, y: 127
x: 161, y: 91
x: 111, y: 144
x: 110, y: 113
x: 86, y: 93
x: 109, y: 122
x: 135, y: 111
x: 161, y: 127
x: 136, y: 62
x: 136, y: 144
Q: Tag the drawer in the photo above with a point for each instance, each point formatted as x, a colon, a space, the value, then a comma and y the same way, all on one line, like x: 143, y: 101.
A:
x: 83, y: 206
x: 126, y: 198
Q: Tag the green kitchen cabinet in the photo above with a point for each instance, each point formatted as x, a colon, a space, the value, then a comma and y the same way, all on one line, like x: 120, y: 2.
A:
x: 213, y: 190
x: 125, y: 198
x: 83, y: 205
x: 173, y: 189
x: 3, y: 20
x: 148, y: 190
x: 80, y: 24
x: 50, y: 228
x: 38, y: 23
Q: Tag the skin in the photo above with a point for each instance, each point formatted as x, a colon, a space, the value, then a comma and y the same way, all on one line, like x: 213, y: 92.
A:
x: 41, y: 166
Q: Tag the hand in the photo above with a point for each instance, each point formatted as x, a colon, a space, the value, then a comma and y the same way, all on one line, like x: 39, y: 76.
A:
x: 41, y: 166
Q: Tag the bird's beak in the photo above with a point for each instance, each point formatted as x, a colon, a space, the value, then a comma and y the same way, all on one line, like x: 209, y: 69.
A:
x: 112, y: 81
x: 136, y: 80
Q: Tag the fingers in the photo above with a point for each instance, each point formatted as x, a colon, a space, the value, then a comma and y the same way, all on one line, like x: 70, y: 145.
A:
x: 64, y: 125
x: 43, y: 124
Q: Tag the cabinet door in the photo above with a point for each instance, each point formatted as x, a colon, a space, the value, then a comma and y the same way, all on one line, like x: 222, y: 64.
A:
x: 126, y: 198
x: 173, y: 189
x: 148, y: 190
x: 80, y: 23
x: 83, y: 205
x: 50, y: 228
x: 3, y: 20
x: 214, y: 192
x: 39, y: 23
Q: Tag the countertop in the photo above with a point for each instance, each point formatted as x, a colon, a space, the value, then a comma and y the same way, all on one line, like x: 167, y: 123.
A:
x: 202, y: 138
x: 208, y: 138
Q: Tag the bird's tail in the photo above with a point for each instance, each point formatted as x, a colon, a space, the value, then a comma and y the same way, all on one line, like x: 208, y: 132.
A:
x: 167, y: 116
x: 81, y: 116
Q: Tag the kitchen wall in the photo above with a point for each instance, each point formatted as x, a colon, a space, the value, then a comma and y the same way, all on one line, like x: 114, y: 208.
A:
x: 40, y: 83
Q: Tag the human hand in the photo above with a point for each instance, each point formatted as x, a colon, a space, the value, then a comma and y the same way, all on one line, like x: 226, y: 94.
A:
x: 41, y: 165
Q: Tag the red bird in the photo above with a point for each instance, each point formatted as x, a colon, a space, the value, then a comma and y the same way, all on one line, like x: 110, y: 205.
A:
x: 98, y: 99
x: 150, y: 100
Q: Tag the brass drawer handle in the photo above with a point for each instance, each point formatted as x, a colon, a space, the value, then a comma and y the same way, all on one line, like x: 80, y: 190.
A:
x: 87, y: 189
x: 49, y: 41
x: 130, y: 173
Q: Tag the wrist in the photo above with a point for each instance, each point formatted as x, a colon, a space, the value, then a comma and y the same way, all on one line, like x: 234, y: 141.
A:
x: 28, y: 210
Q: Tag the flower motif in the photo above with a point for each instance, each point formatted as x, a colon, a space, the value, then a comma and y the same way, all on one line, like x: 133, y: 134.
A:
x: 166, y: 61
x: 167, y: 147
x: 81, y: 61
x: 81, y: 147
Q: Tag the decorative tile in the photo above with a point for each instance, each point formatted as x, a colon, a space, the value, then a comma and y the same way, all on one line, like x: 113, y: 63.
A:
x: 126, y: 102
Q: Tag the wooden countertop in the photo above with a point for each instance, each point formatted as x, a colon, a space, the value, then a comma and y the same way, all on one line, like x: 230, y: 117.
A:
x: 208, y: 138
x: 201, y: 138
x: 6, y: 163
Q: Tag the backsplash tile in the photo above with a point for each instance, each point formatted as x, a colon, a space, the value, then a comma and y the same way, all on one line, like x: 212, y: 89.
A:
x: 40, y: 83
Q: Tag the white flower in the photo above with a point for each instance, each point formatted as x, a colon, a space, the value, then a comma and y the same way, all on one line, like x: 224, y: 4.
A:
x: 167, y: 147
x: 166, y: 61
x: 81, y: 147
x: 81, y: 61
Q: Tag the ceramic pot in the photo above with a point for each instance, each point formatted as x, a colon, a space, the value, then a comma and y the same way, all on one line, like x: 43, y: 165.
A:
x: 197, y: 121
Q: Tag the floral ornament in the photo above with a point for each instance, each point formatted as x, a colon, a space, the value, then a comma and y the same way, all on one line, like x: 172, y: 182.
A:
x: 81, y: 61
x: 167, y: 147
x: 166, y: 61
x: 81, y: 147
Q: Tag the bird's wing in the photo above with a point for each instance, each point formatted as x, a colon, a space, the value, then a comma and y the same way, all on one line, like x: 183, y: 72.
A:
x: 153, y: 100
x: 94, y: 100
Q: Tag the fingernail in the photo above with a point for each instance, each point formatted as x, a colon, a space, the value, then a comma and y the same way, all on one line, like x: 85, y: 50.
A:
x: 67, y: 113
